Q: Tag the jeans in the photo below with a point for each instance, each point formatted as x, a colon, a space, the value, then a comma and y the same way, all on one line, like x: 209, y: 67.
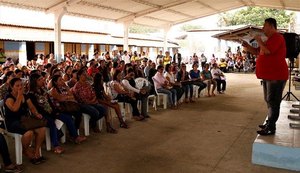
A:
x: 171, y: 94
x: 53, y: 130
x: 95, y: 111
x: 273, y: 90
x: 186, y: 89
x: 221, y: 83
x: 201, y: 85
x: 69, y: 122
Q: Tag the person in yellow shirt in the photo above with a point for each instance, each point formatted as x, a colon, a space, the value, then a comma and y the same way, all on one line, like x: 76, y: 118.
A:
x: 2, y: 56
x: 167, y: 58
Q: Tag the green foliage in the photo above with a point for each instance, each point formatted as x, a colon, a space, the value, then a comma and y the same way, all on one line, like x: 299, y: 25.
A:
x: 139, y: 29
x: 256, y: 16
x: 188, y: 27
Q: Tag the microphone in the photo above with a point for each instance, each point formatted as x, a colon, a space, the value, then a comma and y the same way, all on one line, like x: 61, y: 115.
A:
x: 252, y: 40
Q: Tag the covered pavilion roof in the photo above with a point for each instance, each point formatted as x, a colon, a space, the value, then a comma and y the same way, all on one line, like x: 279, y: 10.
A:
x: 155, y: 13
x: 245, y: 32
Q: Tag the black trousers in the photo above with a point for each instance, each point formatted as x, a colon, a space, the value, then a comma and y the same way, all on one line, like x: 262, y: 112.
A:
x: 221, y: 85
x: 4, y: 151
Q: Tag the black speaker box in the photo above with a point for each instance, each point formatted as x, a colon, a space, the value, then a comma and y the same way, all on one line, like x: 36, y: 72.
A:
x: 292, y: 42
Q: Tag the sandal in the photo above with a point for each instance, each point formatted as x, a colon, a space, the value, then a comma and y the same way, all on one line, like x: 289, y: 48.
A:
x: 79, y: 139
x: 42, y: 159
x: 13, y: 168
x: 109, y: 129
x: 35, y: 161
x: 58, y: 150
x: 124, y: 125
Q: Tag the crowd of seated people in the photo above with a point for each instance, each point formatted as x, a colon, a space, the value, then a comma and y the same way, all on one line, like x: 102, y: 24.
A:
x: 45, y: 88
x: 240, y: 61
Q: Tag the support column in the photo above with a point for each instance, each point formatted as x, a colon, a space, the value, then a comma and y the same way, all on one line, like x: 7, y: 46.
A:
x: 57, y: 30
x: 91, y: 51
x: 219, y: 45
x: 166, y: 30
x: 22, y: 53
x: 125, y: 37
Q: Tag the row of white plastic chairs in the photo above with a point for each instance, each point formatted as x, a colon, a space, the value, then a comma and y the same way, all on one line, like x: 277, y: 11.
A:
x: 17, y: 137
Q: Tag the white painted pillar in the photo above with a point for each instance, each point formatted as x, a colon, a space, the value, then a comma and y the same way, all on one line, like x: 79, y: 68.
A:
x: 166, y: 30
x: 91, y: 51
x: 219, y: 45
x: 22, y: 53
x: 62, y: 48
x: 58, y: 14
x: 125, y: 37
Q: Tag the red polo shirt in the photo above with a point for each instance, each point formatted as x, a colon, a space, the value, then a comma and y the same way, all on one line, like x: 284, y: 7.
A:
x: 273, y: 66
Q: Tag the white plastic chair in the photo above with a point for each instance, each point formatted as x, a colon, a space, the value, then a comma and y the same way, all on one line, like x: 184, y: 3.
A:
x: 121, y: 104
x: 164, y: 96
x: 140, y: 82
x: 86, y: 123
x: 16, y: 136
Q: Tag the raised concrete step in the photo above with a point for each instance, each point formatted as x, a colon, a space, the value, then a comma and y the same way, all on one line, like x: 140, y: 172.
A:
x: 281, y: 150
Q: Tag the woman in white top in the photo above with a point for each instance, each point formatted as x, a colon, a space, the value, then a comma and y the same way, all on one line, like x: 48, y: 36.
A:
x: 123, y: 95
x: 169, y: 75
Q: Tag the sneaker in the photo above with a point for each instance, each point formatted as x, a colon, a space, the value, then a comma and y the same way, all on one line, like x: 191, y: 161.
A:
x: 266, y: 132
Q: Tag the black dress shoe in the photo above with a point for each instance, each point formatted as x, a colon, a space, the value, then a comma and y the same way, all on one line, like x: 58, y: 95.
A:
x: 262, y: 126
x: 266, y: 131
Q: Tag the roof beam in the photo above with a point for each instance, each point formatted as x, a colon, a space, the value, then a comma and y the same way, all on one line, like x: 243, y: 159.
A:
x: 154, y: 8
x: 61, y: 5
x: 22, y: 6
x: 97, y: 5
x: 90, y: 16
x: 208, y: 14
x: 206, y: 5
x: 180, y: 13
x: 249, y: 3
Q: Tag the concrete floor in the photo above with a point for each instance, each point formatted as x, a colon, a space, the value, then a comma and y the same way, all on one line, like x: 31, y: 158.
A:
x: 213, y: 135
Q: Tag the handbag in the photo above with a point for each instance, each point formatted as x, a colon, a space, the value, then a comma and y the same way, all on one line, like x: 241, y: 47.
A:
x: 69, y: 106
x: 29, y: 122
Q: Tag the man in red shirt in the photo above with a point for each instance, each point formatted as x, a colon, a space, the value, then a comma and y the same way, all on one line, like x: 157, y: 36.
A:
x: 272, y: 68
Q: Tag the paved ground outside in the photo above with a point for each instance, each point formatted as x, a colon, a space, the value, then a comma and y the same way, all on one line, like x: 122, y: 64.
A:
x: 213, y: 135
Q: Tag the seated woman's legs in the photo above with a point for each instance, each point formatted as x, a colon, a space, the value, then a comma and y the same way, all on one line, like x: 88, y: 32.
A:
x: 69, y: 122
x: 169, y: 93
x: 144, y: 100
x: 208, y: 83
x: 26, y: 141
x: 174, y: 95
x: 103, y: 111
x: 77, y: 117
x: 53, y: 131
x: 39, y: 139
x: 191, y: 88
x: 94, y: 114
x: 179, y: 92
x: 4, y: 151
x: 117, y: 109
x: 214, y: 84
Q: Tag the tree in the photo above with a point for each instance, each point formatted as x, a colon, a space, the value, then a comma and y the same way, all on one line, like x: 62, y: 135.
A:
x: 188, y: 27
x: 256, y: 16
